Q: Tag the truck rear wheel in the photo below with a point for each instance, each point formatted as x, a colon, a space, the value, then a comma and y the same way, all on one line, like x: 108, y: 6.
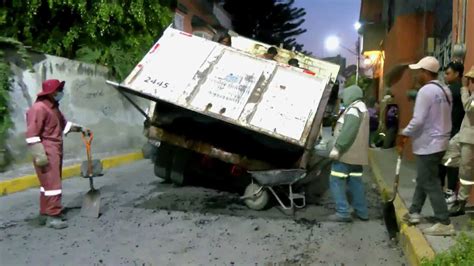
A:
x: 181, y: 159
x: 163, y: 161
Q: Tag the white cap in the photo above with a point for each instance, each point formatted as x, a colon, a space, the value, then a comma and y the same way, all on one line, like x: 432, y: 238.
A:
x: 427, y: 63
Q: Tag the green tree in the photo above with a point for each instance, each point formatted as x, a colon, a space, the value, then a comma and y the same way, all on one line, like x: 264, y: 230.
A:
x: 271, y: 21
x: 5, y: 86
x: 108, y: 32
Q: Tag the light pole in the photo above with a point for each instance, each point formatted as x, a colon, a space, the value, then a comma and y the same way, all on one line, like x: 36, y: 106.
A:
x: 357, y: 26
x: 358, y: 59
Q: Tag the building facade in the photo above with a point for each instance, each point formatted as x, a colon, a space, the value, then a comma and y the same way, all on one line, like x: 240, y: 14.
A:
x: 202, y: 18
x: 398, y: 32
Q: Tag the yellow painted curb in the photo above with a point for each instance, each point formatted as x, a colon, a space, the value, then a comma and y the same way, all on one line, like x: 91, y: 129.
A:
x: 414, y: 244
x: 29, y: 181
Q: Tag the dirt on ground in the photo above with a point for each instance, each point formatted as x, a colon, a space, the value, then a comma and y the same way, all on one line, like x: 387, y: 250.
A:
x: 147, y: 222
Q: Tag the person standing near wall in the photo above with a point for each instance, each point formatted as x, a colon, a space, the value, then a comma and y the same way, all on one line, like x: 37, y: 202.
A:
x: 453, y: 77
x: 46, y: 126
x: 430, y: 130
x: 466, y: 141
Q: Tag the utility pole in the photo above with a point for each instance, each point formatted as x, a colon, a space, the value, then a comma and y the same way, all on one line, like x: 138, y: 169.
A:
x: 358, y: 59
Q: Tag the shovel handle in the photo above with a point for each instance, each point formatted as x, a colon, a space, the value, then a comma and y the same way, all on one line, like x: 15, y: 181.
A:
x: 397, y: 171
x: 87, y: 139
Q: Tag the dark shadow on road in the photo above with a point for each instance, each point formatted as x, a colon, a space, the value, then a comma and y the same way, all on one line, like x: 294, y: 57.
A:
x: 225, y: 200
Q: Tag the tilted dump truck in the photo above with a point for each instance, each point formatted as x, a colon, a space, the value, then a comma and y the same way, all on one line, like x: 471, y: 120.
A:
x: 211, y: 102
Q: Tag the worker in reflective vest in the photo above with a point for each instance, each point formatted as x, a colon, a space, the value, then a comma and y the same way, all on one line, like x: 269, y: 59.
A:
x: 46, y: 126
x: 350, y: 151
x: 466, y: 144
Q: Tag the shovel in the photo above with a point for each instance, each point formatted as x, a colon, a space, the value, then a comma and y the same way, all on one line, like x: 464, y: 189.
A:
x: 90, y: 169
x: 389, y: 214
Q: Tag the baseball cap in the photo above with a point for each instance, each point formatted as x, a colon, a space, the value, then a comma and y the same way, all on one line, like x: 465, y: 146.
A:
x: 427, y: 63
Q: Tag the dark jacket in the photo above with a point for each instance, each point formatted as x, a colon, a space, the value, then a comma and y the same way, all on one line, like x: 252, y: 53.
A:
x: 457, y: 114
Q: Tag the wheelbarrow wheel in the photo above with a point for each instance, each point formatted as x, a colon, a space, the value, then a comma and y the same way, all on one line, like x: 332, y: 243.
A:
x: 258, y: 201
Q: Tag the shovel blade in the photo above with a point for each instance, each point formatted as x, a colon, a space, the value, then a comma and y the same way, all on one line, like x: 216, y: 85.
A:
x: 97, y: 168
x: 390, y: 219
x: 91, y: 204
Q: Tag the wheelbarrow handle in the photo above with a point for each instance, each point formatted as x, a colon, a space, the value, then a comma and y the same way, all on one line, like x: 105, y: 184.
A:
x: 87, y: 139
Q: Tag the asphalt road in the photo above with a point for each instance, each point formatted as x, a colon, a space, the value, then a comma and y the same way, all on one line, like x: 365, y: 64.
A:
x: 147, y: 222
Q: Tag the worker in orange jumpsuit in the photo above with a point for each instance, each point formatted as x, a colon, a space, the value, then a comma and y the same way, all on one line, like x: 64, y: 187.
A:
x: 46, y: 126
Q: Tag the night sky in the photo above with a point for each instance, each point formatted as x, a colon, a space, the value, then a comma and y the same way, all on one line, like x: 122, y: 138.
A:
x: 329, y: 17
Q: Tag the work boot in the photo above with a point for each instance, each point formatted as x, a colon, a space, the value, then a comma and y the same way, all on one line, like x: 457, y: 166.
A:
x: 55, y: 222
x: 440, y: 229
x: 339, y: 219
x: 458, y: 208
x: 62, y: 216
x: 364, y: 219
x: 450, y: 196
x: 412, y: 218
x: 43, y: 217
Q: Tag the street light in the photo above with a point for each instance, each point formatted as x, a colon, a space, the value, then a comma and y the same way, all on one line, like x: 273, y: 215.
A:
x: 357, y: 25
x: 368, y: 61
x: 332, y: 43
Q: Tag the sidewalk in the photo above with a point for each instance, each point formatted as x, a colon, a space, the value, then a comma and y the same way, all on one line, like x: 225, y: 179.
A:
x: 383, y: 164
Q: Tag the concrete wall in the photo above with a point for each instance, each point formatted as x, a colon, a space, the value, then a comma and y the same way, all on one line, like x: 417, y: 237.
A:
x: 87, y: 101
x: 457, y: 26
x: 371, y: 11
x: 406, y: 7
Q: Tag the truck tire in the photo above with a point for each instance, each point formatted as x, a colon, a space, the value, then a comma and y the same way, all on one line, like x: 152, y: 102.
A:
x: 148, y: 150
x: 163, y: 161
x: 259, y: 201
x: 181, y: 159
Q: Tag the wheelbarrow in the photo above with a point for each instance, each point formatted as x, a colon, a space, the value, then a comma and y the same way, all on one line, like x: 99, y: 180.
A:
x: 90, y: 169
x: 256, y: 194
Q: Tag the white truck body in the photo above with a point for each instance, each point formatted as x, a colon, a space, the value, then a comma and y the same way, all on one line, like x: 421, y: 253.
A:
x: 233, y: 85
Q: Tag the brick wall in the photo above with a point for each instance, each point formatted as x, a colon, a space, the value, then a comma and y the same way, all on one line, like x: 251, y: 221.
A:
x: 405, y: 43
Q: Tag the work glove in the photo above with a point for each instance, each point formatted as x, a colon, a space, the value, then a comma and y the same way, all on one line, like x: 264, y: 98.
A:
x: 78, y: 128
x: 85, y: 130
x: 39, y: 155
x: 334, y: 154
